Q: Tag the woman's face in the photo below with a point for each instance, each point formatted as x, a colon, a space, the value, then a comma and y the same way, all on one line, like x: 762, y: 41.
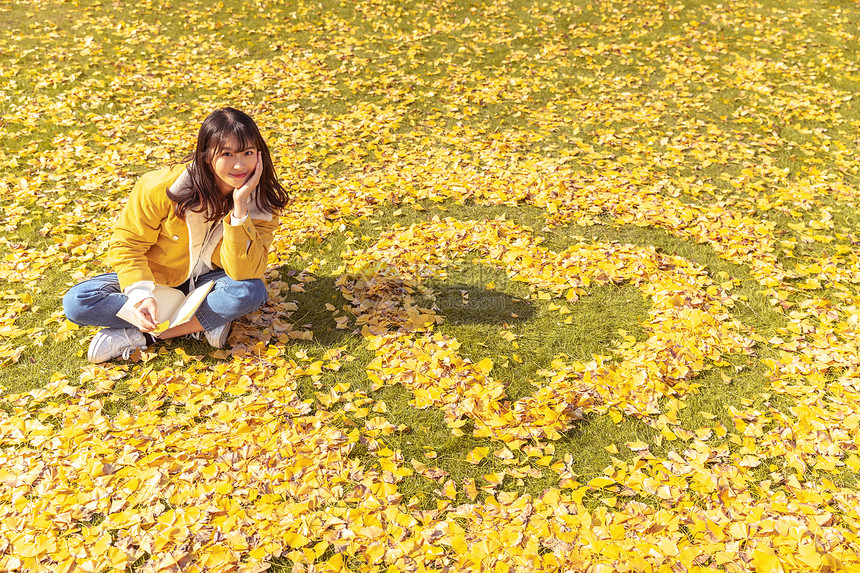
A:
x: 233, y: 166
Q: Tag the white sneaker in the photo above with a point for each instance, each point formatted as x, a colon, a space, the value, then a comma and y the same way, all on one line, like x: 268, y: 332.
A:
x: 217, y: 337
x: 109, y: 343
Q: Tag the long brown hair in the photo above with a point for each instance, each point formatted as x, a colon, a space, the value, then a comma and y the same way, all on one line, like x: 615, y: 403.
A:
x: 216, y: 131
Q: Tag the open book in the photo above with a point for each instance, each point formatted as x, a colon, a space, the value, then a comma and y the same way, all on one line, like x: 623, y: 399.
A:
x: 174, y: 307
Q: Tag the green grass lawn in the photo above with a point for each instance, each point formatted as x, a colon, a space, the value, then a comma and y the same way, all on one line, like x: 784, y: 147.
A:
x: 723, y: 136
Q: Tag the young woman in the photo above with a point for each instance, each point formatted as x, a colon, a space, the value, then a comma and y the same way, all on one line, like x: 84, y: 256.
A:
x: 210, y: 218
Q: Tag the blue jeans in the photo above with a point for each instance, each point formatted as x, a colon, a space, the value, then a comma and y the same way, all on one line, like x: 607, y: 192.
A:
x: 96, y: 301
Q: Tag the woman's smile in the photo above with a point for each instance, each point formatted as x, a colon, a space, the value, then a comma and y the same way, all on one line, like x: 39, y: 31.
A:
x: 233, y: 165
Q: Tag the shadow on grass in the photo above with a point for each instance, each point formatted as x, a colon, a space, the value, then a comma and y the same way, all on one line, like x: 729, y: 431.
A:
x: 469, y: 304
x: 459, y: 303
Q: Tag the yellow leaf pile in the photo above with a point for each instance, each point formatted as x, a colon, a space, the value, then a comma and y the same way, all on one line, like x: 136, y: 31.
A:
x: 688, y: 327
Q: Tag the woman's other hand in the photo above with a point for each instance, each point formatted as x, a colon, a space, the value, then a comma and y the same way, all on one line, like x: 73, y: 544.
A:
x: 241, y: 194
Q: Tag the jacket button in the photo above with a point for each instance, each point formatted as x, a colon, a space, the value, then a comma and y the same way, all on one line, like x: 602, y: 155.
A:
x: 175, y: 237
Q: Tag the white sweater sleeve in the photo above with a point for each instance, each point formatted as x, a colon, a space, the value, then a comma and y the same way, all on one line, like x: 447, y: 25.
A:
x: 138, y: 291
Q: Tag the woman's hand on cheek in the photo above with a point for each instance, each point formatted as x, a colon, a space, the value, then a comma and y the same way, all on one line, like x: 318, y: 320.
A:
x: 241, y: 194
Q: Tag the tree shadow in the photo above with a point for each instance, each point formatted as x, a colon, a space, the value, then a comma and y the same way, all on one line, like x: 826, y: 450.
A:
x: 459, y: 303
x: 469, y: 304
x: 310, y: 298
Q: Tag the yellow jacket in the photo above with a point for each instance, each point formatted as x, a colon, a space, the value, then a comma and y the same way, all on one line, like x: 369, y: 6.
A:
x: 150, y: 243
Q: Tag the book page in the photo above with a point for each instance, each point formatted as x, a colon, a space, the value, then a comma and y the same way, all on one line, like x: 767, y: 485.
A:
x: 174, y: 307
x: 192, y: 302
x: 169, y: 301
